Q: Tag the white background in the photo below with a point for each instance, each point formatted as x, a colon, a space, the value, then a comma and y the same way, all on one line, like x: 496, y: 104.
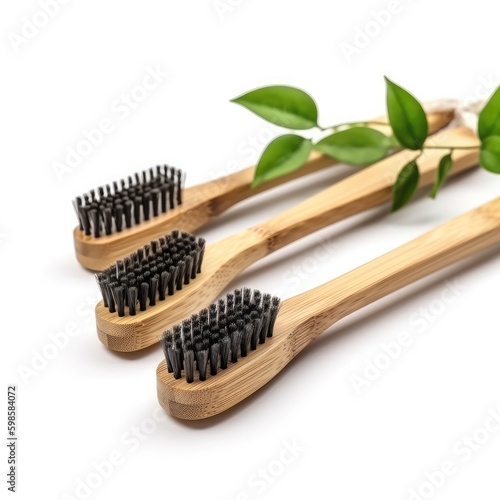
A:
x: 85, y: 403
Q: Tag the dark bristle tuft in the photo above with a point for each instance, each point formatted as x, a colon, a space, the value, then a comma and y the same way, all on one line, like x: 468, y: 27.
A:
x: 143, y: 196
x: 225, y: 331
x: 151, y: 274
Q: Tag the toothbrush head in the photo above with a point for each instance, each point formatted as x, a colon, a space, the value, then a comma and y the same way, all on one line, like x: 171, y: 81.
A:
x: 143, y: 196
x: 219, y: 335
x: 151, y: 274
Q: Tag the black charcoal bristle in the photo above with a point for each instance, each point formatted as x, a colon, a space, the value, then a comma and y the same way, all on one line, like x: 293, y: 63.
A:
x: 214, y: 352
x: 246, y: 336
x: 132, y: 300
x: 237, y: 298
x: 162, y: 287
x: 201, y: 355
x: 84, y: 213
x: 225, y: 331
x: 166, y: 342
x: 96, y: 222
x: 143, y: 295
x: 108, y: 221
x: 163, y: 197
x: 256, y: 319
x: 119, y: 298
x: 146, y: 205
x: 181, y: 269
x: 155, y: 196
x: 104, y: 290
x: 189, y: 361
x: 173, y: 271
x: 247, y: 294
x: 179, y: 187
x: 153, y: 290
x: 137, y: 209
x: 236, y: 332
x: 143, y: 196
x: 119, y: 218
x: 151, y: 274
x: 127, y: 206
x: 224, y: 348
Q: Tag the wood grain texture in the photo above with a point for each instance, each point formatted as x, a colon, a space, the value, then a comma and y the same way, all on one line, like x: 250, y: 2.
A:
x: 224, y: 260
x: 201, y: 204
x: 302, y: 318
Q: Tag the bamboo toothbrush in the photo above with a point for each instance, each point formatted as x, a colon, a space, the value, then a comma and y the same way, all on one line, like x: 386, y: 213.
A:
x: 114, y: 220
x: 153, y: 274
x: 217, y: 344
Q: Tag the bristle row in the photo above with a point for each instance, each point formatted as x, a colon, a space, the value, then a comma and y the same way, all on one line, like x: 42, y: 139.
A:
x: 221, y: 334
x: 110, y: 209
x: 152, y: 273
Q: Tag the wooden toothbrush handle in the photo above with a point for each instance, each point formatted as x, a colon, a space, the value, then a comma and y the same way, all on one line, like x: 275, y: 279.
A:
x: 226, y: 191
x: 461, y: 237
x: 367, y: 188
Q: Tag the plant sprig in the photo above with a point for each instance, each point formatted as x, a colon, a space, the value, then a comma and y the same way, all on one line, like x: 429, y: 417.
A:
x: 359, y: 144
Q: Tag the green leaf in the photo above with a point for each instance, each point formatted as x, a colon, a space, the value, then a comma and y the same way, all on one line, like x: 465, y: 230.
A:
x: 489, y: 118
x: 406, y: 116
x: 355, y: 146
x: 444, y: 167
x: 282, y: 155
x: 490, y: 154
x: 393, y: 142
x: 284, y: 106
x: 405, y: 186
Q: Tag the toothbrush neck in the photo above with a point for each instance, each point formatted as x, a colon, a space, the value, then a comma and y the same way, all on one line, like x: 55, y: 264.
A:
x: 349, y: 197
x: 316, y: 310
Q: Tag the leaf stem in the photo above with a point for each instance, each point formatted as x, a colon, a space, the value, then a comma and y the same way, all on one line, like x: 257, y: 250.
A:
x: 452, y: 147
x: 353, y: 124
